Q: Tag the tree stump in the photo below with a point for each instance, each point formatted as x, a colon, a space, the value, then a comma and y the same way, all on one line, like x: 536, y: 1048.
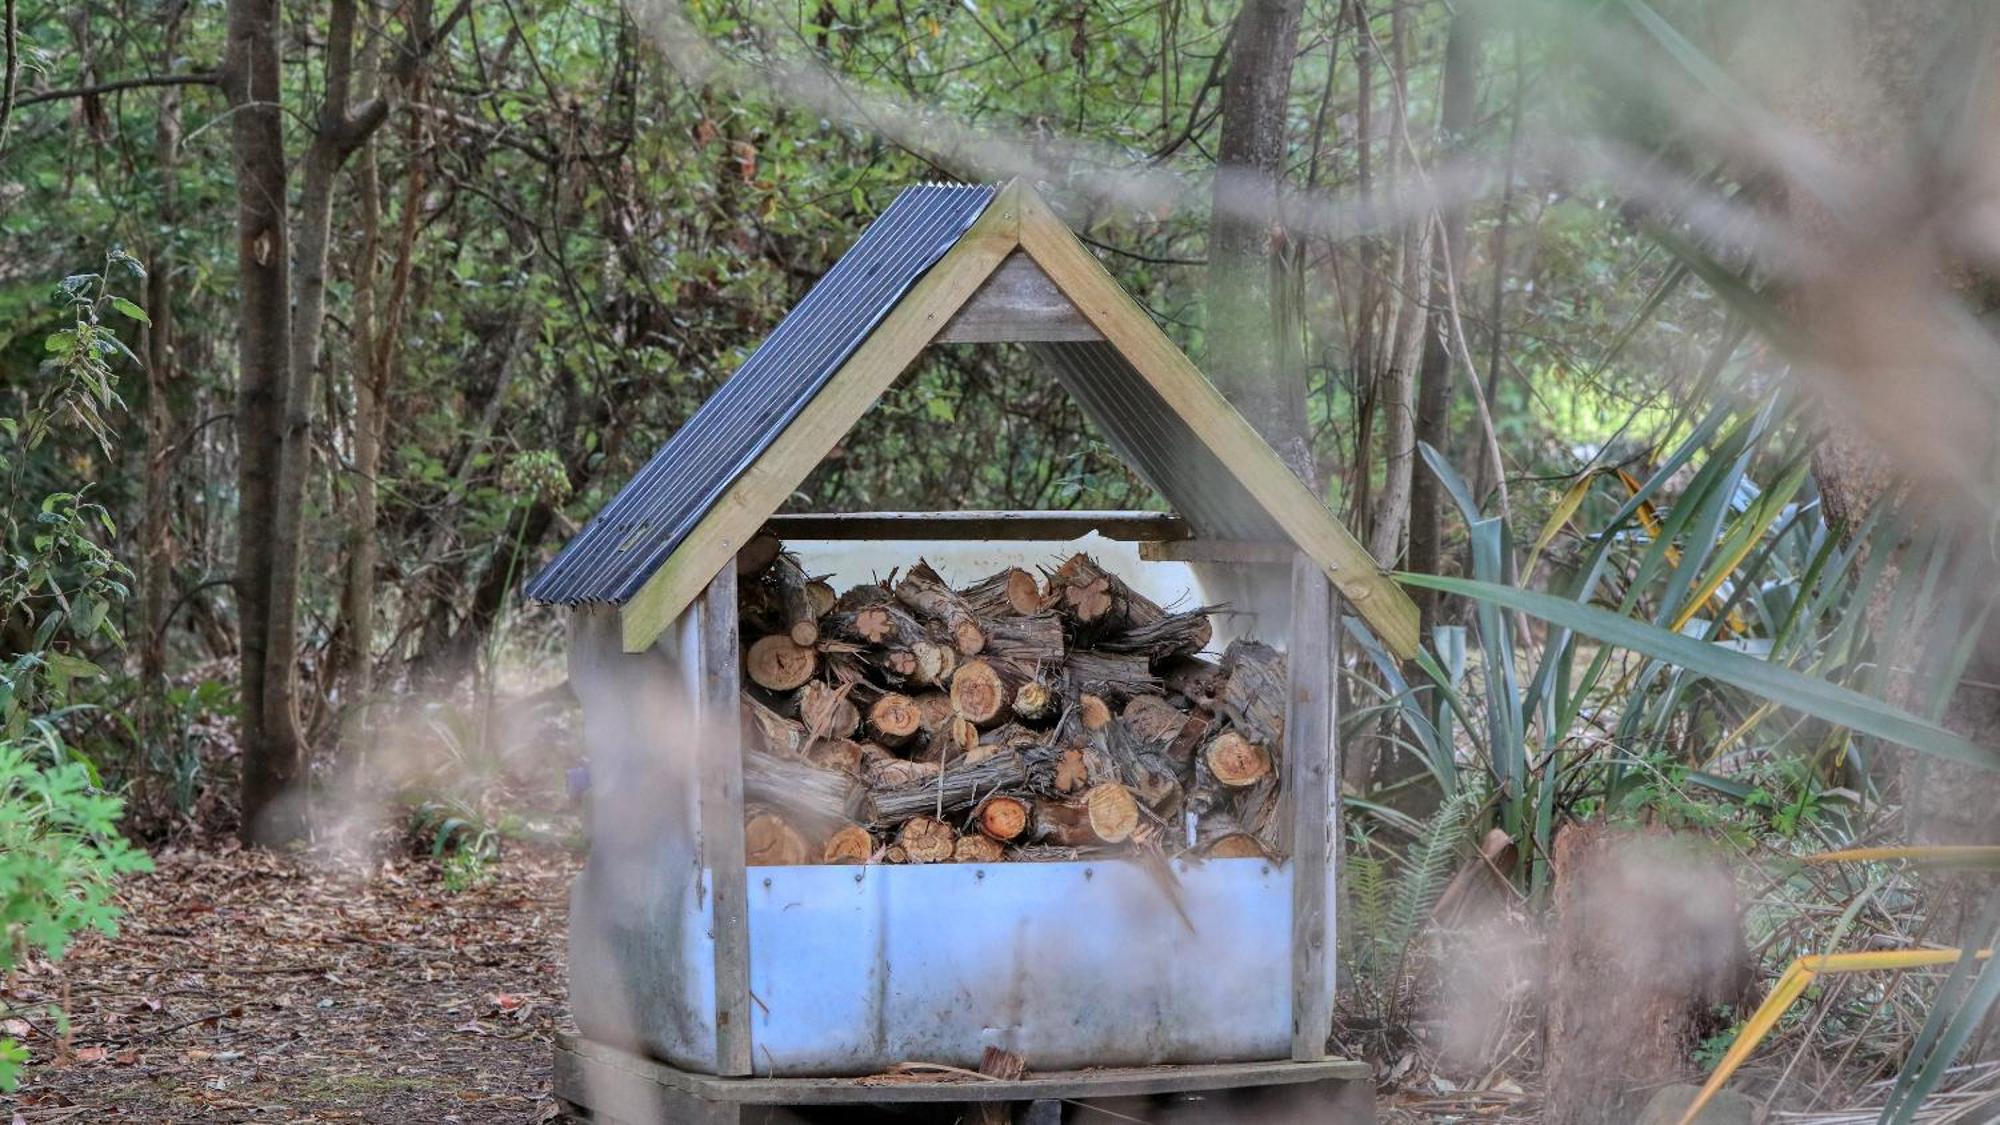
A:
x: 1648, y: 941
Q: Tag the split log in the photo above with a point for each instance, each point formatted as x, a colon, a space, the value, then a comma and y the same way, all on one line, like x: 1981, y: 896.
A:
x: 814, y: 799
x: 1106, y: 814
x: 1235, y: 761
x: 1259, y: 808
x: 926, y: 593
x: 974, y: 848
x: 1012, y: 591
x: 796, y: 605
x: 894, y: 719
x: 1176, y: 634
x: 778, y: 663
x: 954, y: 790
x: 1002, y: 817
x: 771, y: 732
x: 1111, y: 674
x: 1194, y: 731
x: 1143, y: 769
x: 826, y: 710
x: 927, y: 840
x: 983, y: 691
x: 771, y: 841
x: 851, y: 844
x: 1254, y: 691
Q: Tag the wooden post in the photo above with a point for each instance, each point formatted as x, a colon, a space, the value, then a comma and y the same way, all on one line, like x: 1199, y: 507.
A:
x: 1314, y: 823
x: 719, y: 770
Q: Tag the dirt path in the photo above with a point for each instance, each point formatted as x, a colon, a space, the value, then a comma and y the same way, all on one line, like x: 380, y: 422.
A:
x: 261, y: 988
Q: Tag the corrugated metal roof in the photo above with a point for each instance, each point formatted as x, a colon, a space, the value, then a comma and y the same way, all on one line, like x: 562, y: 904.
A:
x: 614, y: 555
x: 1157, y: 443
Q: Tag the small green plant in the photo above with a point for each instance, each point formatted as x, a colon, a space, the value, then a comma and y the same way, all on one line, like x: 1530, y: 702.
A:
x: 463, y: 841
x: 60, y: 857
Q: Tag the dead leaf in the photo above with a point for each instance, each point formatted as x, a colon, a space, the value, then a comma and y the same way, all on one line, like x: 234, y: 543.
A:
x: 92, y: 1054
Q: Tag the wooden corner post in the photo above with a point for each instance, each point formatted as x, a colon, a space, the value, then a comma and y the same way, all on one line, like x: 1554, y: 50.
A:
x: 720, y: 777
x: 1312, y: 781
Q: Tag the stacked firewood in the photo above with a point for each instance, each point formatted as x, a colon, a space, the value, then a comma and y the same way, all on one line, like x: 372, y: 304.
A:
x: 1020, y: 717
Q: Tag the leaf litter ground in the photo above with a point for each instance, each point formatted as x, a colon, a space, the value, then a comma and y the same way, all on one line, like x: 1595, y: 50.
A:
x: 247, y: 986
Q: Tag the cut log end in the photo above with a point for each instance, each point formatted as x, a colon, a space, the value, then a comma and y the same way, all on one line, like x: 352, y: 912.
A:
x: 769, y: 840
x: 1236, y: 761
x: 1093, y: 711
x: 927, y: 840
x: 851, y: 844
x: 980, y: 693
x: 977, y: 849
x: 1003, y: 818
x: 776, y: 663
x: 1236, y: 845
x: 1114, y: 815
x: 1033, y: 701
x: 895, y: 718
x: 827, y: 712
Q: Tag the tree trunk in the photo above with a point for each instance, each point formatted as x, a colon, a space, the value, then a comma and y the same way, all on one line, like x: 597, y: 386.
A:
x: 1648, y: 943
x: 1389, y: 522
x: 1459, y: 82
x: 270, y: 765
x: 353, y: 671
x: 156, y: 544
x: 1249, y: 354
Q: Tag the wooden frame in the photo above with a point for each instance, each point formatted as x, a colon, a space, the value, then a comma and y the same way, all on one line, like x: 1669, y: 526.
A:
x: 1134, y: 526
x: 1017, y: 222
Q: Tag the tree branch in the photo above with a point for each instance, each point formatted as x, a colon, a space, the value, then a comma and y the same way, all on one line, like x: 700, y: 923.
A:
x: 205, y: 78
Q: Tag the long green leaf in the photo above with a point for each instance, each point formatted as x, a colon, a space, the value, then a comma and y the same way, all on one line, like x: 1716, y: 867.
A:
x: 1818, y: 698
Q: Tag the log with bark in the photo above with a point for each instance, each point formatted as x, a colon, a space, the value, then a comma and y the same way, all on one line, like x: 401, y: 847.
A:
x: 1105, y: 814
x: 909, y: 722
x: 925, y: 594
x: 955, y: 789
x: 1012, y: 591
x: 1096, y: 600
x: 1254, y: 690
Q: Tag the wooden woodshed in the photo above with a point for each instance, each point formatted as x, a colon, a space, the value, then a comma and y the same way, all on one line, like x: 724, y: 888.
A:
x: 681, y: 955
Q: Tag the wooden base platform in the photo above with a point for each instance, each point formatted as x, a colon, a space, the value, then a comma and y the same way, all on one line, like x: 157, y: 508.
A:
x: 612, y: 1087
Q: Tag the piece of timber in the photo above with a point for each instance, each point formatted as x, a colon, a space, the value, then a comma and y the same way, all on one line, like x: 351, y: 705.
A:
x: 1018, y: 304
x: 720, y: 807
x: 1227, y: 551
x: 1123, y: 525
x: 584, y: 1068
x: 1312, y: 792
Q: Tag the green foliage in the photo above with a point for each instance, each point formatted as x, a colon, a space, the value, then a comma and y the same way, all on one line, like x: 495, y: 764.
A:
x: 1628, y: 709
x: 1389, y: 901
x: 60, y: 851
